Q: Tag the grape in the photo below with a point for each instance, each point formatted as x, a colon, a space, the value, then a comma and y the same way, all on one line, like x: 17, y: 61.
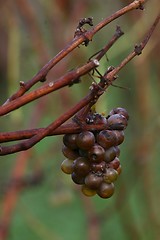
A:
x: 111, y: 175
x: 88, y: 191
x: 121, y: 111
x: 105, y: 190
x: 77, y: 178
x: 106, y: 138
x: 117, y: 122
x: 93, y: 180
x: 119, y: 136
x: 110, y: 154
x: 96, y: 153
x: 69, y: 153
x: 85, y: 140
x: 115, y: 163
x: 81, y: 166
x: 70, y: 140
x: 67, y: 166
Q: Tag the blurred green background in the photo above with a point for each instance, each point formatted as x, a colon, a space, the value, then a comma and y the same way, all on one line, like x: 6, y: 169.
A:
x: 31, y: 33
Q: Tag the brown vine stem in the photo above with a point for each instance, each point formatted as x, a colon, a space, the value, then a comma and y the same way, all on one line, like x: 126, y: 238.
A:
x: 41, y: 75
x: 92, y: 96
x: 64, y: 129
x: 137, y: 4
x: 48, y: 88
x: 65, y: 80
x: 137, y: 51
x: 95, y: 92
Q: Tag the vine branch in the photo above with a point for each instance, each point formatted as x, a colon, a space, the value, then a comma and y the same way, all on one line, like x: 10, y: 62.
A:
x: 77, y: 40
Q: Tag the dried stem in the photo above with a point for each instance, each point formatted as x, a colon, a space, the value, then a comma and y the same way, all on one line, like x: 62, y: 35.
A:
x: 137, y: 51
x: 63, y: 81
x: 79, y: 39
x: 36, y: 138
x: 64, y: 129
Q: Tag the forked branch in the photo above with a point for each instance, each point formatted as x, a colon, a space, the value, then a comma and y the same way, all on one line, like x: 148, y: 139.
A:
x: 78, y: 40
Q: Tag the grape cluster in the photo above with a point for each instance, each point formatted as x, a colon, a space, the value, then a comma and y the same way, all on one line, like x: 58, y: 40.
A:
x: 92, y: 157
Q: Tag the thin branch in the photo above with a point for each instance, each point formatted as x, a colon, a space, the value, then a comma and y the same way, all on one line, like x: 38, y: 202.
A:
x: 64, y: 129
x: 65, y: 80
x: 137, y: 4
x: 36, y: 138
x: 48, y: 88
x: 136, y: 52
x: 79, y: 39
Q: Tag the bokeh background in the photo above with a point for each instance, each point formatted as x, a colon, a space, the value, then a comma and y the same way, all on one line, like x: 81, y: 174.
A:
x: 31, y: 33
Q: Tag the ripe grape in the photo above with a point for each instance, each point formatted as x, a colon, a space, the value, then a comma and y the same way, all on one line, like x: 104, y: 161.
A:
x: 119, y: 136
x: 110, y: 154
x: 111, y: 175
x: 81, y: 166
x: 67, y: 166
x: 70, y: 140
x: 85, y: 140
x: 117, y: 122
x: 121, y: 111
x: 115, y: 163
x: 93, y: 180
x: 96, y: 153
x: 77, y: 178
x: 69, y: 153
x: 88, y: 191
x: 106, y: 138
x: 105, y: 190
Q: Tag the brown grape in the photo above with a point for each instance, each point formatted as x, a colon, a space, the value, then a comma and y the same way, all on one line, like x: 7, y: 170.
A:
x: 81, y: 166
x: 115, y: 163
x: 70, y: 140
x: 119, y: 136
x: 106, y: 138
x: 93, y: 180
x: 88, y: 191
x: 96, y: 153
x: 110, y: 154
x: 111, y: 175
x: 69, y: 153
x: 67, y: 166
x: 117, y: 122
x: 85, y: 140
x: 121, y: 111
x: 77, y: 178
x: 105, y: 190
